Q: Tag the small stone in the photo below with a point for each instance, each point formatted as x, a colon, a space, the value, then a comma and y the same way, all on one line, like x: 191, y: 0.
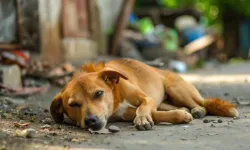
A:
x: 21, y: 121
x: 184, y: 139
x: 236, y: 118
x: 212, y: 134
x: 226, y: 94
x: 53, y: 134
x: 212, y: 125
x: 46, y: 110
x: 75, y: 140
x: 114, y: 129
x: 46, y: 142
x: 220, y: 121
x: 46, y: 126
x: 30, y: 133
x: 205, y: 121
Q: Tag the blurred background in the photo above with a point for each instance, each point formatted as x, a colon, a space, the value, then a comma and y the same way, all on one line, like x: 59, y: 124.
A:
x: 42, y: 43
x: 46, y: 39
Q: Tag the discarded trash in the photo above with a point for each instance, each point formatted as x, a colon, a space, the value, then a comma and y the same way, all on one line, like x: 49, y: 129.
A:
x: 21, y: 125
x: 18, y: 57
x: 58, y: 75
x: 177, y: 66
x: 186, y: 126
x: 26, y: 91
x: 28, y: 133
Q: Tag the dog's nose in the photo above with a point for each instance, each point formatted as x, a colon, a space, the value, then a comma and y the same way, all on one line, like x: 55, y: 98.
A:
x: 91, y: 121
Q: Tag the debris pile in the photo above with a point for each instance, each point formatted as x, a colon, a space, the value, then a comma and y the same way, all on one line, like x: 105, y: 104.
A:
x: 21, y: 76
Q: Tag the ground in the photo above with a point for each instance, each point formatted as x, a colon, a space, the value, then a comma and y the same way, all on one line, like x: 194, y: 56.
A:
x: 230, y: 82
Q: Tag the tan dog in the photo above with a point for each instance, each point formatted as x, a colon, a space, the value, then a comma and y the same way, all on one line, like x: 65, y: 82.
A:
x: 129, y: 90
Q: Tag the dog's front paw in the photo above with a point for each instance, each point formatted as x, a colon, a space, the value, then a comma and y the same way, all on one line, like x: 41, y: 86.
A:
x: 143, y: 123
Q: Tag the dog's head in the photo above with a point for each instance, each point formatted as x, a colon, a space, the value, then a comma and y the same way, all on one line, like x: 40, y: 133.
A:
x: 88, y: 99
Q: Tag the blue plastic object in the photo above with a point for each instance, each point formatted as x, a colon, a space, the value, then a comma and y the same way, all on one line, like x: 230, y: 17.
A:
x: 193, y: 34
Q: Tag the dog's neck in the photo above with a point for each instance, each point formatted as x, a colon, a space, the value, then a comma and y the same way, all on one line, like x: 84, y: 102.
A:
x: 116, y: 97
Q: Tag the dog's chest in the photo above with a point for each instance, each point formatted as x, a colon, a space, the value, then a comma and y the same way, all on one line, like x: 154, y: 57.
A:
x: 122, y: 107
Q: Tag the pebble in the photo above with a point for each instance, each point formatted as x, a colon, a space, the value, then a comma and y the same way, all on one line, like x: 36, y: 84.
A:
x: 114, y: 129
x: 30, y: 133
x: 53, y: 134
x: 46, y: 142
x: 212, y: 125
x: 220, y: 121
x: 46, y: 126
x: 205, y: 121
x: 226, y: 94
x: 236, y: 118
x: 46, y: 110
x: 75, y: 140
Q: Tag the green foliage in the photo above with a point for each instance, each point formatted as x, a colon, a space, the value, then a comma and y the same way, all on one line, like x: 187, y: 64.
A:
x: 211, y: 9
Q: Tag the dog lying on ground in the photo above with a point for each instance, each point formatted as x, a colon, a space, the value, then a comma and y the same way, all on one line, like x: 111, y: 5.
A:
x: 130, y: 90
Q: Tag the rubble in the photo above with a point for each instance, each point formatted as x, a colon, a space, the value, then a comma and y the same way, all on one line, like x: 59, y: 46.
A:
x: 47, y: 121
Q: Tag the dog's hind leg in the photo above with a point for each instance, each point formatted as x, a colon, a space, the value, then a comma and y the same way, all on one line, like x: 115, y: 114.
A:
x: 184, y: 94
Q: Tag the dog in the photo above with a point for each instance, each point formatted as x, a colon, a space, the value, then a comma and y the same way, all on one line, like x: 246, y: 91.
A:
x: 129, y: 90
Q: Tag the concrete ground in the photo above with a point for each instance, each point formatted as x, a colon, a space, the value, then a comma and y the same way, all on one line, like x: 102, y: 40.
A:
x: 230, y: 82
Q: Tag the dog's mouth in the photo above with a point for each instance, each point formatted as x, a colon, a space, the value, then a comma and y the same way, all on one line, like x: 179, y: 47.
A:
x: 96, y: 127
x: 101, y: 124
x: 101, y: 129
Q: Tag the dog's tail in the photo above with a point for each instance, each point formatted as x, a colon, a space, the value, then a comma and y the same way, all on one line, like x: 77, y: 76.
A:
x: 218, y: 107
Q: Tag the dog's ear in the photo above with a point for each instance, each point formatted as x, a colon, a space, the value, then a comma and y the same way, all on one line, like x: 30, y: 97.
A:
x: 56, y: 109
x: 111, y: 76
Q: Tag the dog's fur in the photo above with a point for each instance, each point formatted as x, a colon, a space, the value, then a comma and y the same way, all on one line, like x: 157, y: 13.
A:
x: 133, y: 91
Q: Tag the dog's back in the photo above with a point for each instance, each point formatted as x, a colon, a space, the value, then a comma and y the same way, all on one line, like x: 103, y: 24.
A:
x: 149, y: 79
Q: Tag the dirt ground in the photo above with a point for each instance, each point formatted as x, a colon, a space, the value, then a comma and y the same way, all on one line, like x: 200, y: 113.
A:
x: 227, y: 133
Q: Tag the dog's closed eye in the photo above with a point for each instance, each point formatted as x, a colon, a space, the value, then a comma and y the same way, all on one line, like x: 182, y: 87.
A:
x: 75, y: 105
x: 98, y: 94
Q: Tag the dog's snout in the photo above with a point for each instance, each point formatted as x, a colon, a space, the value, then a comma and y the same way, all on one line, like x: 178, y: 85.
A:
x: 91, y: 121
